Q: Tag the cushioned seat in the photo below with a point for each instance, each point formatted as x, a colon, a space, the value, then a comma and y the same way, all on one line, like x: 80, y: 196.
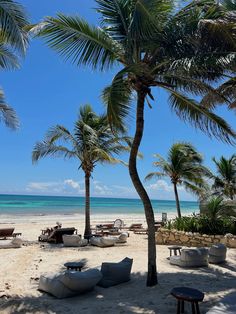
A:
x: 191, y: 258
x: 74, y: 240
x: 226, y: 306
x: 115, y: 273
x: 69, y: 283
x: 217, y: 253
x: 15, y: 243
x: 103, y: 241
x: 122, y: 238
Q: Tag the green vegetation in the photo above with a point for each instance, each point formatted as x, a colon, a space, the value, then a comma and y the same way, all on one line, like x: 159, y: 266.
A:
x: 156, y: 46
x: 184, y: 167
x: 13, y: 44
x: 91, y: 142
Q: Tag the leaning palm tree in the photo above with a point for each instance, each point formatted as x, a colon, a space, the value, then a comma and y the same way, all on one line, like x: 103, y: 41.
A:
x: 156, y: 46
x: 92, y: 142
x: 184, y: 167
x: 13, y: 44
x: 225, y: 179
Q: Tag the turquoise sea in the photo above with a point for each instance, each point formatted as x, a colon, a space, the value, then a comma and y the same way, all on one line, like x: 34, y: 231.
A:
x: 46, y: 205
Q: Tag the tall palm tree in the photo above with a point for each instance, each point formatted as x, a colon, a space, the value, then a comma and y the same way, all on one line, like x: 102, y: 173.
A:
x: 92, y: 142
x: 225, y: 179
x: 184, y: 167
x: 13, y: 44
x: 155, y: 45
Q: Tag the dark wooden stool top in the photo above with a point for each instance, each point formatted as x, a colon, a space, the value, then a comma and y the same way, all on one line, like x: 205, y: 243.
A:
x: 187, y: 294
x: 74, y: 265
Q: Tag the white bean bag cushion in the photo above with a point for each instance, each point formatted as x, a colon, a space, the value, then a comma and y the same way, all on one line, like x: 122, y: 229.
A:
x: 103, y: 241
x: 122, y: 238
x: 226, y: 306
x: 69, y: 283
x: 74, y: 240
x: 191, y: 258
x: 115, y: 273
x: 217, y: 253
x: 13, y: 244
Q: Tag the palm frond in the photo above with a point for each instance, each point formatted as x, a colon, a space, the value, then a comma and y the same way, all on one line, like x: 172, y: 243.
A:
x: 76, y: 40
x: 200, y: 117
x: 152, y: 175
x: 7, y: 114
x: 8, y: 60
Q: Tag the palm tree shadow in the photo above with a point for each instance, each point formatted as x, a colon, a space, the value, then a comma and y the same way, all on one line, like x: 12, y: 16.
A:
x: 131, y: 297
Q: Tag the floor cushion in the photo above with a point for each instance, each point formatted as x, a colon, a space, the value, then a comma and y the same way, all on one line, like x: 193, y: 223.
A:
x: 226, y: 306
x: 103, y: 241
x: 191, y: 258
x: 217, y: 253
x: 73, y: 240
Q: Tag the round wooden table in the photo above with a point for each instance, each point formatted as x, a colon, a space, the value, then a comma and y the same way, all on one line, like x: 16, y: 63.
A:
x: 189, y: 295
x: 74, y: 266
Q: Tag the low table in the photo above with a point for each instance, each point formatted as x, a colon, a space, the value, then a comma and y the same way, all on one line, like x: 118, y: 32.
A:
x: 74, y: 266
x: 175, y: 248
x: 189, y: 295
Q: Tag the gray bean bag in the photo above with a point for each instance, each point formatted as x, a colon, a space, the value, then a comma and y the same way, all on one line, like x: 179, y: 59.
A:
x: 226, y: 306
x: 74, y: 240
x: 69, y: 283
x: 115, y: 273
x: 13, y: 244
x: 103, y: 241
x: 191, y: 258
x: 217, y: 253
x: 122, y: 238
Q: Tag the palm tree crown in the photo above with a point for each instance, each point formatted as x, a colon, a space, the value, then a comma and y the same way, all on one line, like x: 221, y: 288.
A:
x: 184, y: 167
x: 91, y: 142
x: 13, y: 44
x: 225, y: 179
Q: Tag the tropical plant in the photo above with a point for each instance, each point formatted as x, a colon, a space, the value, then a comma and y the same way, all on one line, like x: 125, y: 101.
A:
x: 184, y: 167
x: 225, y: 178
x: 156, y: 45
x: 92, y: 142
x: 13, y: 44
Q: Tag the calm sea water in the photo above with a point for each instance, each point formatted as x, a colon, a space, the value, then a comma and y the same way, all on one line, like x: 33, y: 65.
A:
x: 44, y: 205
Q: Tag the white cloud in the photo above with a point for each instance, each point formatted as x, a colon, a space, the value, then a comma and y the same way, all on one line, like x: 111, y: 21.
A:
x: 75, y: 185
x: 160, y: 185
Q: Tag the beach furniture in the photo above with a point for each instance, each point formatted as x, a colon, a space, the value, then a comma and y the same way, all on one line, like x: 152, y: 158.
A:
x: 135, y: 226
x: 13, y: 244
x: 122, y: 238
x: 74, y: 240
x: 185, y: 294
x: 77, y: 266
x: 227, y: 305
x: 191, y: 258
x: 115, y: 273
x: 103, y: 241
x: 8, y: 233
x: 217, y: 253
x: 55, y: 236
x: 175, y: 249
x: 140, y: 231
x: 69, y: 283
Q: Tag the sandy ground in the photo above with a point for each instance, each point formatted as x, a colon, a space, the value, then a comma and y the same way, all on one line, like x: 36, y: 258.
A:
x: 21, y: 269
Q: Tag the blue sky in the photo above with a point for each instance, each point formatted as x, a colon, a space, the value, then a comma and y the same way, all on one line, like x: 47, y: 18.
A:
x: 47, y: 91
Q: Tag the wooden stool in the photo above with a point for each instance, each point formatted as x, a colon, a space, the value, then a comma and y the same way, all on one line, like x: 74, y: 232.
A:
x: 189, y: 295
x: 175, y: 248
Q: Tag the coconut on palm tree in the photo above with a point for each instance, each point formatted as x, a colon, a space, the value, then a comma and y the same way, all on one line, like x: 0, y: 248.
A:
x: 156, y: 46
x: 184, y: 167
x: 225, y: 178
x: 13, y: 44
x: 91, y: 142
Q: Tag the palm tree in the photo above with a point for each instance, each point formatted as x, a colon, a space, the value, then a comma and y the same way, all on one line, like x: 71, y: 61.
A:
x: 225, y: 180
x: 92, y: 142
x: 13, y: 44
x: 184, y: 167
x: 155, y: 45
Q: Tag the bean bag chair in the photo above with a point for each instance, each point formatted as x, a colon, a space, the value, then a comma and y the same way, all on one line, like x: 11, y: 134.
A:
x: 74, y: 240
x: 13, y: 244
x: 122, y: 238
x: 103, y: 241
x: 115, y: 273
x: 191, y: 258
x: 217, y: 253
x: 69, y: 283
x: 226, y: 306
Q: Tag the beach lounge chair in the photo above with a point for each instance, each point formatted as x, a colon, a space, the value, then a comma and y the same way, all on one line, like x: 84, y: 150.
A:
x: 69, y: 284
x: 191, y: 258
x: 135, y: 226
x: 56, y: 235
x: 8, y: 233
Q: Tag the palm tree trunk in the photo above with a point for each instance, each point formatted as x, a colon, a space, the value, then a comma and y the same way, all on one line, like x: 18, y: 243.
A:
x: 152, y: 271
x: 87, y: 231
x: 177, y: 200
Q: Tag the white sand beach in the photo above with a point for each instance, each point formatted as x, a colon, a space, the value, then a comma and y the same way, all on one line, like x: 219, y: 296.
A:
x: 21, y: 269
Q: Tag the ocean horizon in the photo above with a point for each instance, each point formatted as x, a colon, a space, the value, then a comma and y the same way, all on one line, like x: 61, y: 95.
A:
x: 66, y: 205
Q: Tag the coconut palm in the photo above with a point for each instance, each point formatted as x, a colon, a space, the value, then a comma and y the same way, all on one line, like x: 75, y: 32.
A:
x: 225, y: 179
x: 91, y: 142
x: 184, y: 167
x: 156, y: 46
x: 13, y: 44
